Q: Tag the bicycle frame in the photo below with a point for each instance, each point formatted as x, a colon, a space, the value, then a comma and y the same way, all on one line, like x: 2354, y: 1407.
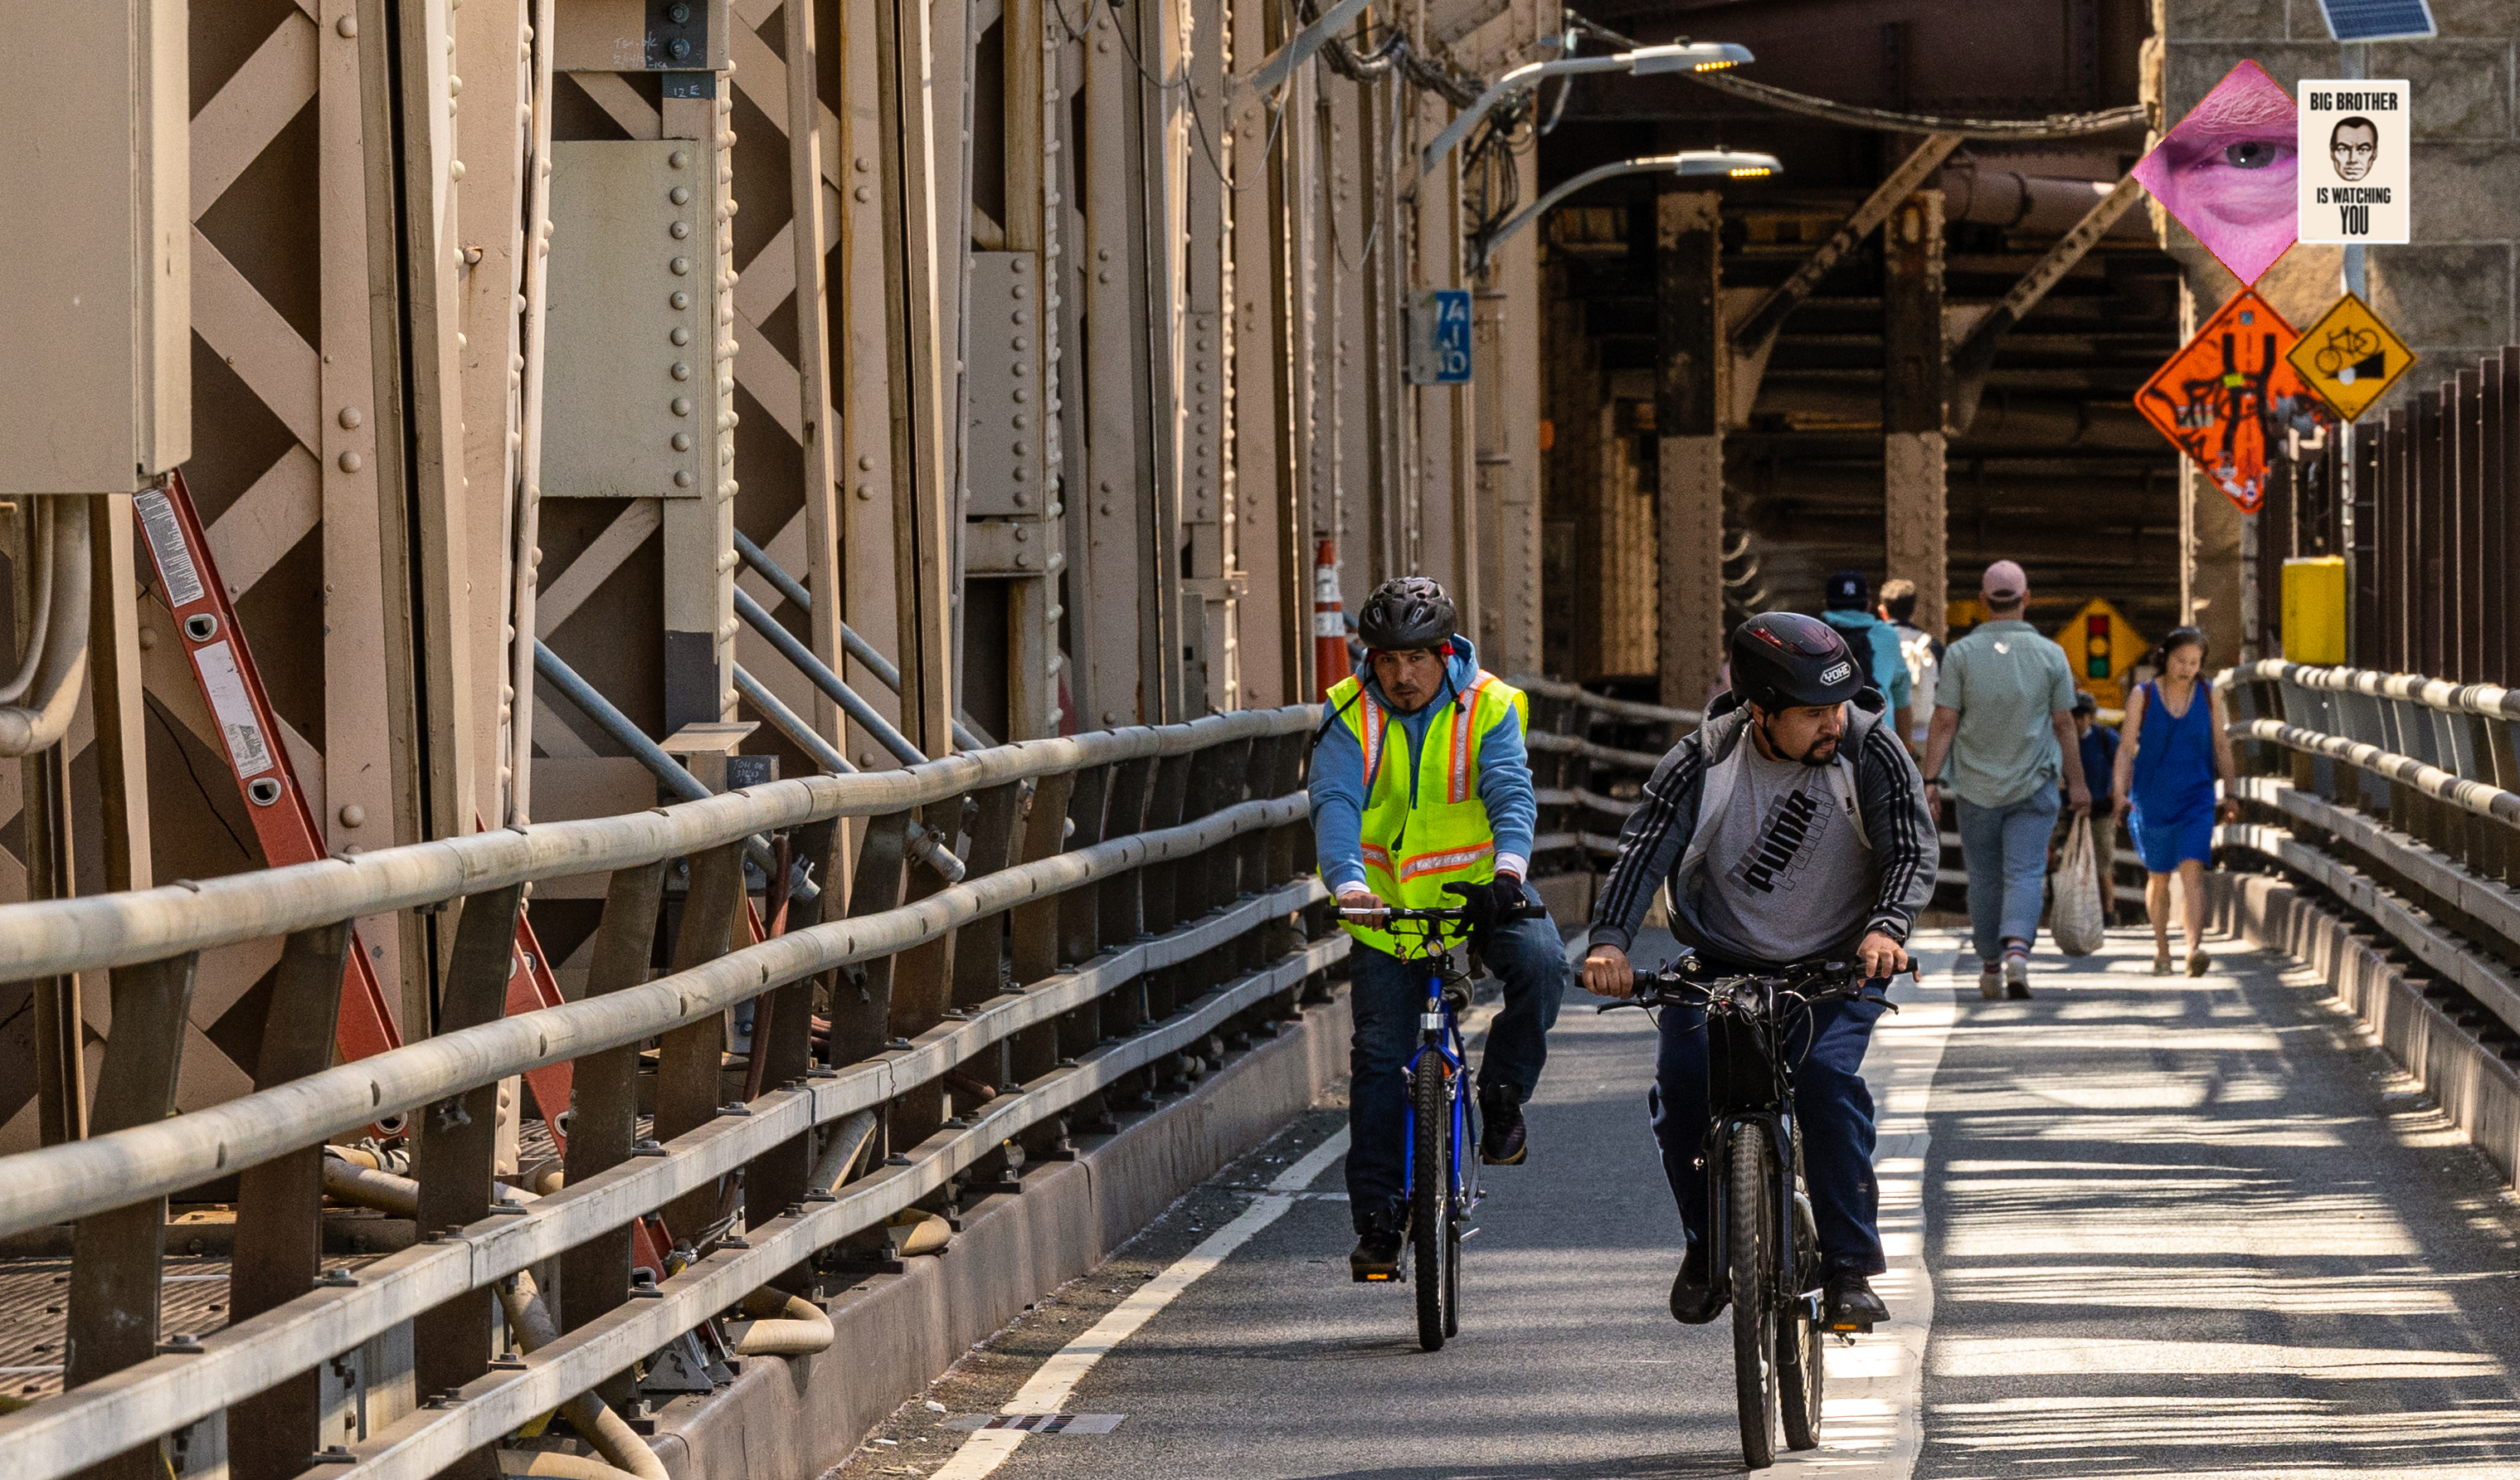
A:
x: 1439, y: 1032
x: 1772, y: 1116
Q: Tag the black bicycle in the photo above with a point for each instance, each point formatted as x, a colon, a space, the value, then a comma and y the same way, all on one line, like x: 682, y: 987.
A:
x: 1443, y: 1163
x: 1767, y: 1253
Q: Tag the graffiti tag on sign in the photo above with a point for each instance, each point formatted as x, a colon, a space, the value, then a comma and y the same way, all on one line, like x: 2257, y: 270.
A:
x: 2230, y: 395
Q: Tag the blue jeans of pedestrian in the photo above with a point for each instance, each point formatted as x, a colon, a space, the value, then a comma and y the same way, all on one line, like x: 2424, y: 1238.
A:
x: 1832, y: 1104
x: 2006, y: 852
x: 1387, y: 994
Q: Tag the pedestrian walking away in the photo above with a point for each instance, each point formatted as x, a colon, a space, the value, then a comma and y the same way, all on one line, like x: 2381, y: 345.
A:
x: 2177, y: 743
x: 2099, y: 747
x: 1848, y: 607
x: 1922, y: 652
x: 1421, y: 799
x: 2003, y: 743
x: 1791, y: 825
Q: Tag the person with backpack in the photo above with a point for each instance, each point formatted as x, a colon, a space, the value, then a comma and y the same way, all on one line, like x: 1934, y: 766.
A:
x: 1925, y: 655
x: 1847, y: 606
x: 1790, y: 827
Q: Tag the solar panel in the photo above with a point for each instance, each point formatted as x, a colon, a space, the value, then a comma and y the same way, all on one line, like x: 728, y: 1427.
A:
x: 2377, y: 20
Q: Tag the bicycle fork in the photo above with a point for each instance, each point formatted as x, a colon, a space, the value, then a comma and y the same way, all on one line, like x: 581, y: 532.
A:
x: 1776, y: 1127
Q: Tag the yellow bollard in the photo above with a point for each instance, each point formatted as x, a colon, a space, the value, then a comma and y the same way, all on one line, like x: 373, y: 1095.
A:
x: 2313, y: 609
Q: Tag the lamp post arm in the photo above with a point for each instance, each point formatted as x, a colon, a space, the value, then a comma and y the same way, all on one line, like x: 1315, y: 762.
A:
x: 1521, y: 78
x: 1547, y: 202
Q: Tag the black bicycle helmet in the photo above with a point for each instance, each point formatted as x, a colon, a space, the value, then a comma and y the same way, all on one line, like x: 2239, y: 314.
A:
x: 1784, y: 659
x: 1405, y: 612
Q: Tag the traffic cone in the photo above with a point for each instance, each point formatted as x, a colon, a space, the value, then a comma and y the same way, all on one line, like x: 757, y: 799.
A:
x: 1329, y: 630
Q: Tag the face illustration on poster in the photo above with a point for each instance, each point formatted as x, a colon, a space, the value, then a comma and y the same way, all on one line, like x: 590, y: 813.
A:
x: 2229, y: 171
x: 2352, y: 146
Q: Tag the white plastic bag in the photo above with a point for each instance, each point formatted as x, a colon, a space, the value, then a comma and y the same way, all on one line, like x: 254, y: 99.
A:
x: 2075, y: 919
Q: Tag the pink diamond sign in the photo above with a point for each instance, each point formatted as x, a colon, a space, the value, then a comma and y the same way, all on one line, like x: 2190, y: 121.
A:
x: 2229, y: 171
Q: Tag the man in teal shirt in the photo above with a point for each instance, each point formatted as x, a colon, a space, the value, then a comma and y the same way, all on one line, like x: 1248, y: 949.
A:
x: 2003, y: 721
x: 1847, y: 606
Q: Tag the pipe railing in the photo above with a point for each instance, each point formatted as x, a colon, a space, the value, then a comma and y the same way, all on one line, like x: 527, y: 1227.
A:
x: 2400, y: 792
x: 1126, y: 901
x: 1587, y: 785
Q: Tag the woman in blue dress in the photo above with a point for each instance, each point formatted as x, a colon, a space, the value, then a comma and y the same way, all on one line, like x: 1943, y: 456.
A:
x: 2173, y: 744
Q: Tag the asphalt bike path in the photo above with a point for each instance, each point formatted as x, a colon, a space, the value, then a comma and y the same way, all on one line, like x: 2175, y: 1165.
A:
x: 2174, y: 1227
x: 1273, y: 1363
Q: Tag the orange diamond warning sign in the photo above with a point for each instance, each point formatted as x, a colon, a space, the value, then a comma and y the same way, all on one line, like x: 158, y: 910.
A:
x: 2230, y: 394
x: 2350, y: 357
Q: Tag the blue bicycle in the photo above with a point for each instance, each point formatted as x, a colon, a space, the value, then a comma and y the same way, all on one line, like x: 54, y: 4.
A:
x: 1441, y: 1170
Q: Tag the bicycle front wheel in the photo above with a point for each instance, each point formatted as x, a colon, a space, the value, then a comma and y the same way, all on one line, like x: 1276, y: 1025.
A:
x: 1429, y: 1201
x: 1750, y: 1220
x: 1800, y: 1371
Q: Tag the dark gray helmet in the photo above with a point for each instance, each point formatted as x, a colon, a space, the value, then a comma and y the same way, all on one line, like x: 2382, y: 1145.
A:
x: 1784, y: 659
x: 1407, y: 611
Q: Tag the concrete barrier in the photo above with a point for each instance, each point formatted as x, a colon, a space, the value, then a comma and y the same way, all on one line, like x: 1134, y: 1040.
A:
x: 791, y: 1418
x: 2412, y: 1014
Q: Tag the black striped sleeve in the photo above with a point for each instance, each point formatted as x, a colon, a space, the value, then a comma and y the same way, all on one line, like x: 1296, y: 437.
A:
x: 1905, y: 841
x: 1649, y: 847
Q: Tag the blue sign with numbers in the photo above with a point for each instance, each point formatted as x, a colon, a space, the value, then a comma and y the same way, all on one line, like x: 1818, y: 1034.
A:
x: 1439, y: 336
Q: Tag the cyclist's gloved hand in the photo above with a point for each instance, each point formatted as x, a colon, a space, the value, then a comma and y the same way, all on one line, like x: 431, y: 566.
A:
x: 1483, y: 905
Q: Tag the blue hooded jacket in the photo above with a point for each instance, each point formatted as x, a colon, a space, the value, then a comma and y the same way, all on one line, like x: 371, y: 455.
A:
x: 1888, y: 664
x: 1337, y: 787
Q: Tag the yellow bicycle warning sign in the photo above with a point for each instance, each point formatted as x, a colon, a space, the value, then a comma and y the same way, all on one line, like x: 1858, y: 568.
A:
x: 2350, y: 358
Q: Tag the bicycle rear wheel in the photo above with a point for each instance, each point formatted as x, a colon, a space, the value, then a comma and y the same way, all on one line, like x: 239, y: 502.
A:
x: 1800, y: 1371
x: 1429, y: 1201
x: 1749, y: 1219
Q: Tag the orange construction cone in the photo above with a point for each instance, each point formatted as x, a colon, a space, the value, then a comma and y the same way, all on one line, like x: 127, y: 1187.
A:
x: 1329, y: 630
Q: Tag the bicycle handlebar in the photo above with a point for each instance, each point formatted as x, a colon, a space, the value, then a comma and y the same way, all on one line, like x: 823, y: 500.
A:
x: 1440, y: 914
x: 1812, y: 981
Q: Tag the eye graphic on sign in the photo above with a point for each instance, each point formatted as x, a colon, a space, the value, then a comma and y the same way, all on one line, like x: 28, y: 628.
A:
x: 2230, y: 172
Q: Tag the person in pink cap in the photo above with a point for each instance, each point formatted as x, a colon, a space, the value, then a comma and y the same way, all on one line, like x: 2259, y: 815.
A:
x: 2003, y: 743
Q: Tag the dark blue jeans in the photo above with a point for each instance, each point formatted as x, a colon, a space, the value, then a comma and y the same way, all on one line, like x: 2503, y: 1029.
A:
x: 1831, y: 1104
x: 1387, y: 994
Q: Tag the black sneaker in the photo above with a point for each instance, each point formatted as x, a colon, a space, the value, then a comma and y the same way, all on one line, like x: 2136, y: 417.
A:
x: 1503, y: 1141
x: 1377, y: 1248
x: 1693, y: 1301
x: 1852, y: 1305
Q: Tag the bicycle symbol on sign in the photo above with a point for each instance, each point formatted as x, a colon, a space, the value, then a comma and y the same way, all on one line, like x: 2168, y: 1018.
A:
x: 2346, y: 345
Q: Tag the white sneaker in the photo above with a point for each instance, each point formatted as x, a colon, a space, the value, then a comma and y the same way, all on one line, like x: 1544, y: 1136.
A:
x: 1990, y: 981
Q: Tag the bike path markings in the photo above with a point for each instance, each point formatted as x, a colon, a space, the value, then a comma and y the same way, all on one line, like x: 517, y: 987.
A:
x: 1048, y: 1387
x: 1871, y: 1418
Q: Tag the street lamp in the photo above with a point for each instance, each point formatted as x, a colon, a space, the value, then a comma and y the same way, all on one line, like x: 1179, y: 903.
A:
x: 1643, y: 62
x: 1723, y: 162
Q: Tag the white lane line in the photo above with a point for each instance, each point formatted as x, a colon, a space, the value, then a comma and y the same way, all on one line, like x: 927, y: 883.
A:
x: 1872, y: 1425
x: 1048, y: 1389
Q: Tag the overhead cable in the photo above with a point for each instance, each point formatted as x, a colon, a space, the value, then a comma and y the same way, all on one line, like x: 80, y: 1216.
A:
x: 2052, y: 126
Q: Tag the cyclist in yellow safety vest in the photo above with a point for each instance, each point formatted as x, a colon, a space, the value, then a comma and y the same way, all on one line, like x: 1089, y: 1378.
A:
x: 1421, y: 799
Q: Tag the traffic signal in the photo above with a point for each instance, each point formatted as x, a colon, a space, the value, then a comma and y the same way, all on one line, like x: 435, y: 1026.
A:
x: 2096, y: 644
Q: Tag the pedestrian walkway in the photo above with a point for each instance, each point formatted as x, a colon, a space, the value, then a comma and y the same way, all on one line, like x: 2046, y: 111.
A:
x: 2161, y: 1225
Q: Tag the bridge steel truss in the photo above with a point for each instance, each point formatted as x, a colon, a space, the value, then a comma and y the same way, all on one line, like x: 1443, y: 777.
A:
x: 1127, y: 894
x: 1036, y: 341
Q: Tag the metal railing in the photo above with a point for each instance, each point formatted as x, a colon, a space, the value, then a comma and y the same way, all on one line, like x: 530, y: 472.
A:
x: 1064, y: 973
x: 1590, y: 757
x: 2400, y: 795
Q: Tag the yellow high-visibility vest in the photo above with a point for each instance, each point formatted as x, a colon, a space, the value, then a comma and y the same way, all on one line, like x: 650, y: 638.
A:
x: 1419, y: 839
